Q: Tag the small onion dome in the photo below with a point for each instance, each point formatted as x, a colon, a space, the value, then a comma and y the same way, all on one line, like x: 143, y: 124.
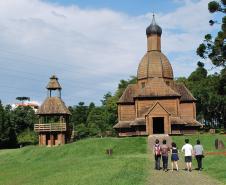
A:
x: 154, y: 28
x: 53, y: 83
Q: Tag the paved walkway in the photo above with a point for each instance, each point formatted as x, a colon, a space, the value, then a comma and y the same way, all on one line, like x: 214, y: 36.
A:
x: 178, y: 178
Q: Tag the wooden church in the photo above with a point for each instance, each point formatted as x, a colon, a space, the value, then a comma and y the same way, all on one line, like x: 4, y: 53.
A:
x: 53, y: 128
x: 156, y: 104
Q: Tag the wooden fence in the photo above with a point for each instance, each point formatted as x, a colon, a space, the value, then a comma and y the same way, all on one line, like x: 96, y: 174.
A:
x: 48, y: 127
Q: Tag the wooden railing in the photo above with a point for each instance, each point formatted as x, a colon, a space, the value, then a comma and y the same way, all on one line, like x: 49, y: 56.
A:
x: 48, y: 127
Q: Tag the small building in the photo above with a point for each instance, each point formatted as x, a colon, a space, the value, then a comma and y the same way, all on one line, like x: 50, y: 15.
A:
x: 33, y: 105
x: 156, y: 104
x: 53, y: 128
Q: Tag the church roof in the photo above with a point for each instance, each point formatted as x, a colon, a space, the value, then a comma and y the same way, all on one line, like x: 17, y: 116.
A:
x: 157, y: 88
x: 53, y: 105
x: 174, y: 121
x: 177, y: 121
x: 138, y: 122
x: 153, y: 28
x: 154, y: 64
x: 157, y: 104
x: 128, y: 94
x: 192, y: 122
x: 184, y: 92
x: 122, y: 124
x: 53, y: 83
x: 129, y: 124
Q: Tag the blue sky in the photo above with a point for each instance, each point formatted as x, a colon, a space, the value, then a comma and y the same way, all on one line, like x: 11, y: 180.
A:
x: 91, y: 44
x: 131, y: 7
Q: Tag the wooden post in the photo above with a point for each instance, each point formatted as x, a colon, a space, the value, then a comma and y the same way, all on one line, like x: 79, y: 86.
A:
x: 39, y: 139
x: 59, y: 138
x: 51, y: 139
x: 43, y: 139
x: 63, y: 138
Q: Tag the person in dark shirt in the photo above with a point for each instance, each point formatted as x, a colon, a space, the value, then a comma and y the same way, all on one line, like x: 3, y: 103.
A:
x: 164, y: 152
x: 174, y: 156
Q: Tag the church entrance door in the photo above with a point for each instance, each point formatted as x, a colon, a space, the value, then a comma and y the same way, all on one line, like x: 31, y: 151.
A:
x: 158, y: 125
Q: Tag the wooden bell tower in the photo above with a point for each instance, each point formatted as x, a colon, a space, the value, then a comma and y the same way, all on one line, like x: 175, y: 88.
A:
x: 53, y: 115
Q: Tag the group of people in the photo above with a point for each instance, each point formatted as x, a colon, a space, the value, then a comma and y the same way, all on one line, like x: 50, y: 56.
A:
x: 163, y: 151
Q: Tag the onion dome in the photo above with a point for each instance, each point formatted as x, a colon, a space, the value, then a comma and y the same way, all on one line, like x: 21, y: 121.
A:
x: 153, y: 28
x: 154, y: 64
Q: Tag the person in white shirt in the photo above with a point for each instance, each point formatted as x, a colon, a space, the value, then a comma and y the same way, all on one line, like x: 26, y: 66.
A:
x: 188, y: 150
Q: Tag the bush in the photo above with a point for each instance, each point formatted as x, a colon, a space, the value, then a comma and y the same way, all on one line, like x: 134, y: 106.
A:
x: 27, y: 137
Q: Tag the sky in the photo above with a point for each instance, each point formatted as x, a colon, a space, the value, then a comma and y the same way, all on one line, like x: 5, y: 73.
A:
x: 90, y: 45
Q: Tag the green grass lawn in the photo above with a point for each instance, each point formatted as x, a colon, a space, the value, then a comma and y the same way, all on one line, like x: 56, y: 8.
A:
x: 80, y: 163
x: 214, y: 166
x: 86, y: 163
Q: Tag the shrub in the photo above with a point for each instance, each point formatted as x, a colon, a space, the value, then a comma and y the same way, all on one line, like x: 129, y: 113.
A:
x: 27, y: 137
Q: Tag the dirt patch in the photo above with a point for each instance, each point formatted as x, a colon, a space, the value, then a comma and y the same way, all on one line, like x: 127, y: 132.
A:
x: 216, y: 153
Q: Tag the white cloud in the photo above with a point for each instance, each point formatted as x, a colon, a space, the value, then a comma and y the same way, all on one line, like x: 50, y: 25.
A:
x: 90, y: 50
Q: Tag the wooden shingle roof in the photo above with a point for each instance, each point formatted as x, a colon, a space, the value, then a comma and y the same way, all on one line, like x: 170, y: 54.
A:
x: 186, y: 95
x: 177, y: 121
x: 128, y: 94
x: 157, y: 88
x: 53, y: 83
x: 122, y: 124
x: 53, y: 105
x: 138, y: 122
x: 154, y: 64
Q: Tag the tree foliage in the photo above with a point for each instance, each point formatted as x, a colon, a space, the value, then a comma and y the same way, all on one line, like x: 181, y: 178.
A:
x: 27, y: 137
x: 98, y: 120
x: 211, y: 100
x: 214, y: 48
x: 13, y: 122
x: 23, y: 98
x: 211, y: 91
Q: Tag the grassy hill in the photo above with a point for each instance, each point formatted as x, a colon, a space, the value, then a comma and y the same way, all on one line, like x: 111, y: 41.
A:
x: 86, y: 163
x: 80, y: 163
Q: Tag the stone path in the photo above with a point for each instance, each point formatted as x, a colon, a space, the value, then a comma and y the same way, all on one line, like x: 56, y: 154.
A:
x: 177, y: 178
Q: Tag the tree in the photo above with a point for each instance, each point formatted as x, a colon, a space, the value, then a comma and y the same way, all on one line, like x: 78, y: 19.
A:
x: 23, y: 117
x: 82, y: 131
x: 109, y: 101
x: 7, y: 131
x: 199, y: 74
x: 23, y: 98
x: 211, y: 104
x: 79, y: 114
x: 97, y: 122
x: 123, y: 84
x: 27, y: 137
x: 222, y: 82
x: 215, y: 48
